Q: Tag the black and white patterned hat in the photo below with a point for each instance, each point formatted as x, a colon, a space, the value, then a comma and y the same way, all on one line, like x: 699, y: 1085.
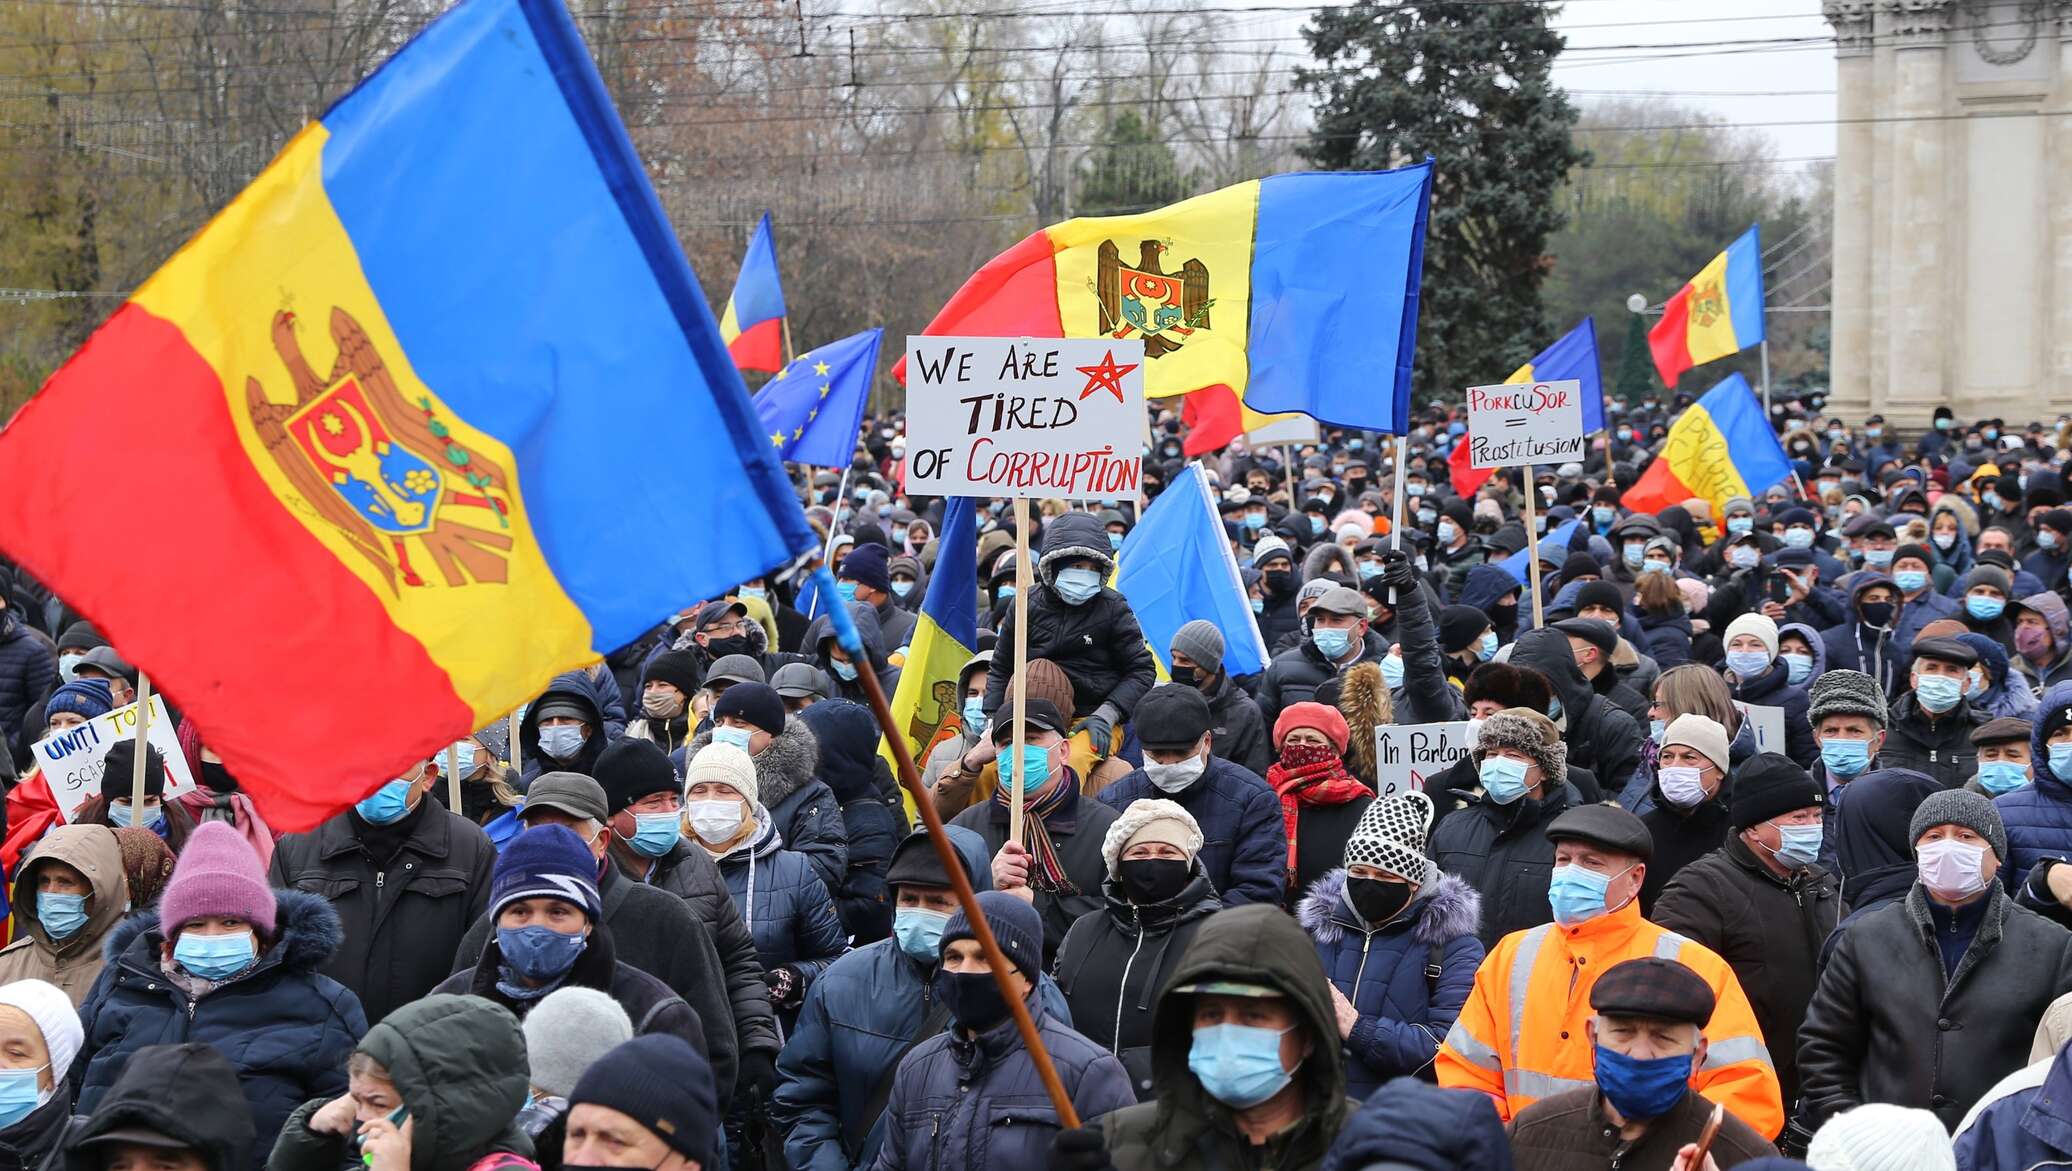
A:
x: 1391, y: 835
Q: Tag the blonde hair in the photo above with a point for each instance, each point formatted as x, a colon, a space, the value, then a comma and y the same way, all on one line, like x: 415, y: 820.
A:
x: 1695, y: 689
x: 1658, y: 594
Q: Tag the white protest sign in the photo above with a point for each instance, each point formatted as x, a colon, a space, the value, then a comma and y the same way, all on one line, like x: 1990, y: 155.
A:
x: 1293, y: 428
x: 1039, y: 418
x: 1406, y: 754
x: 72, y: 760
x: 1521, y: 423
x: 1767, y: 723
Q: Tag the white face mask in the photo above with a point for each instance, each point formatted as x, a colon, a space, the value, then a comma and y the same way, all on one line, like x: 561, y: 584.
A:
x: 715, y: 821
x: 1682, y: 785
x: 1952, y: 869
x: 1172, y: 778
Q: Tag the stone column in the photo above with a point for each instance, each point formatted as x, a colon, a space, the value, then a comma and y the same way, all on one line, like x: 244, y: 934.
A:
x: 2056, y: 386
x: 1919, y: 318
x: 1856, y: 208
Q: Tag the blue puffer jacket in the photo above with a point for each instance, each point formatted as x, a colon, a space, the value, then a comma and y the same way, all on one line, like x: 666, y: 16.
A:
x: 859, y: 1017
x: 1411, y: 1124
x: 1245, y: 847
x: 286, y: 1030
x: 2031, y: 1127
x: 784, y: 903
x: 28, y: 674
x: 961, y: 1101
x: 801, y: 805
x: 1404, y: 1011
x: 2038, y: 815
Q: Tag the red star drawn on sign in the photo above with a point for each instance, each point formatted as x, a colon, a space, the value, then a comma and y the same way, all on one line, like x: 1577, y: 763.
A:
x: 1106, y: 376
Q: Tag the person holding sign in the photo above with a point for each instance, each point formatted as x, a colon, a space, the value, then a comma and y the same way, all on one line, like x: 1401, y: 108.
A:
x: 66, y: 897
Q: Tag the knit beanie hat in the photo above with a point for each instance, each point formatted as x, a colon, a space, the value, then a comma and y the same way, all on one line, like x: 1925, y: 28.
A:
x: 119, y: 771
x: 1047, y: 680
x: 496, y: 737
x: 544, y: 862
x: 1201, y: 641
x: 1879, y: 1136
x: 867, y: 565
x: 1459, y: 627
x: 1520, y: 732
x: 1759, y: 625
x: 663, y: 1084
x: 558, y: 708
x: 55, y: 1018
x: 1599, y: 593
x: 80, y: 636
x: 631, y: 769
x: 727, y: 765
x: 758, y: 703
x: 85, y: 698
x: 679, y: 669
x: 1016, y: 926
x: 567, y: 1031
x: 218, y: 874
x: 1846, y: 693
x: 1391, y: 835
x: 1767, y: 785
x: 1703, y: 733
x: 1973, y: 811
x: 1322, y: 717
x: 1988, y: 575
x: 1150, y: 819
x: 1270, y: 546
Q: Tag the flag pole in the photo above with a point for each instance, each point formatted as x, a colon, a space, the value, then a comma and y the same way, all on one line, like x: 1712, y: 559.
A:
x: 137, y: 771
x: 1766, y: 376
x: 952, y: 862
x: 833, y: 527
x: 789, y: 351
x: 1288, y: 466
x: 517, y: 749
x: 1399, y: 448
x: 1532, y: 544
x: 1012, y: 780
x: 452, y: 778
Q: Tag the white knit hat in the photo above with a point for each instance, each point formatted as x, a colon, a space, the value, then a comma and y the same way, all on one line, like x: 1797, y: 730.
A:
x: 727, y: 765
x: 1176, y: 826
x: 53, y: 1013
x: 1881, y: 1137
x: 1391, y: 835
x: 1759, y: 625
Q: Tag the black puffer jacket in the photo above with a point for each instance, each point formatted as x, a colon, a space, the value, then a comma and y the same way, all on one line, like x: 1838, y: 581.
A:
x: 1098, y: 645
x: 1940, y: 747
x: 871, y: 812
x: 1237, y: 730
x: 648, y: 1002
x: 28, y: 674
x: 1503, y: 852
x: 1599, y: 736
x: 1885, y: 1025
x: 690, y: 874
x: 1294, y: 675
x: 1113, y: 963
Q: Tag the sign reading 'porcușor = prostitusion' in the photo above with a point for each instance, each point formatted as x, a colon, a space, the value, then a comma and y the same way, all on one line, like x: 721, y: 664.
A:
x: 1517, y: 423
x: 1040, y: 418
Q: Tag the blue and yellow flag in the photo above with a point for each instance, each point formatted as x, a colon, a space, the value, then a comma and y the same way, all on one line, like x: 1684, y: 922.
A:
x: 1721, y: 447
x: 812, y: 409
x: 1573, y: 355
x: 1176, y: 567
x: 945, y: 638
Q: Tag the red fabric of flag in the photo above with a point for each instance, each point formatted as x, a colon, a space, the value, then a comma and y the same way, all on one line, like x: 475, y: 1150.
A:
x: 1466, y: 478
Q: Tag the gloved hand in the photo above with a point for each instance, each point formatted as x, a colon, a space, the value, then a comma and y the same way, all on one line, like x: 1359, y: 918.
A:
x: 786, y: 988
x: 1101, y: 727
x: 758, y: 1076
x: 1083, y: 1149
x: 1397, y: 572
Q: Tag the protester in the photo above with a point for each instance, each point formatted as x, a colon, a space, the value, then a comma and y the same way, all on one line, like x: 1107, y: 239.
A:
x: 1931, y: 723
x: 1849, y: 716
x: 873, y: 815
x: 1320, y: 801
x: 40, y: 1036
x: 570, y: 1030
x: 2038, y: 815
x: 172, y: 1108
x: 28, y: 672
x: 68, y: 894
x: 1238, y: 730
x: 111, y: 806
x: 1409, y: 1124
x: 217, y: 797
x: 1689, y: 819
x: 1336, y: 635
x: 1600, y: 736
x: 667, y: 683
x: 1879, y: 1135
x: 1497, y: 844
x: 750, y: 716
x: 487, y: 789
x: 564, y: 730
x: 1758, y: 676
x: 2042, y: 639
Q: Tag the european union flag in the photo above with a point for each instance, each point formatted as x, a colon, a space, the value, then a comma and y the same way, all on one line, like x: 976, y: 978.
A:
x: 811, y: 410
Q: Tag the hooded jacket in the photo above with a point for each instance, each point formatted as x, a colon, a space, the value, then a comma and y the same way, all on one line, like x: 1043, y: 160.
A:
x: 2007, y: 693
x: 1112, y: 964
x: 800, y: 805
x: 1179, y: 1124
x: 1873, y: 850
x: 1409, y: 1124
x: 1245, y: 848
x: 1854, y: 646
x: 1098, y: 645
x: 820, y: 637
x: 573, y: 687
x: 28, y: 674
x: 73, y: 963
x: 185, y: 1091
x: 787, y: 907
x: 458, y: 1063
x: 873, y: 819
x: 286, y: 1029
x: 2052, y: 609
x: 2038, y: 816
x: 1405, y: 1007
x: 1599, y: 736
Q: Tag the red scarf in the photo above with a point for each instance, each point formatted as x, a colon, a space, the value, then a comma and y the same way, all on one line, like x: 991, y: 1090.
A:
x: 1310, y: 774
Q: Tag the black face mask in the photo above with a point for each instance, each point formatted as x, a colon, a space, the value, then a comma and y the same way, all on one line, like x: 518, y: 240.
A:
x: 1186, y: 676
x: 1153, y: 880
x: 1375, y: 899
x: 215, y: 776
x: 720, y: 648
x: 1876, y: 613
x: 973, y: 999
x: 1278, y: 581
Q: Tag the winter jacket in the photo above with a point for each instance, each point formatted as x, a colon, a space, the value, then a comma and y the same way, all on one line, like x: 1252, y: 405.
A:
x: 1681, y: 837
x: 787, y: 907
x: 25, y: 1145
x: 73, y: 963
x: 178, y: 1091
x: 28, y: 674
x: 2028, y: 1128
x: 961, y: 1100
x: 895, y: 626
x: 1178, y: 1124
x: 658, y: 933
x: 873, y: 818
x: 1773, y: 688
x: 820, y: 637
x: 1294, y: 675
x: 1668, y: 636
x: 459, y: 1065
x: 2051, y: 608
x: 2008, y: 692
x: 1098, y: 644
x: 1406, y: 978
x: 1427, y: 695
x: 403, y: 913
x: 1919, y: 611
x: 1409, y: 1124
x: 800, y: 805
x: 1112, y: 964
x: 1768, y: 929
x: 2038, y: 816
x: 1503, y: 852
x: 1873, y: 844
x: 1237, y: 731
x: 1886, y: 1025
x: 1570, y: 1132
x: 286, y: 1029
x: 1853, y: 646
x: 1076, y: 828
x: 578, y: 688
x: 1245, y: 842
x: 1599, y: 736
x: 1940, y: 746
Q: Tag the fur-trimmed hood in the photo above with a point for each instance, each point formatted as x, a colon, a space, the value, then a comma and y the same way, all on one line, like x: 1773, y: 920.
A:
x: 309, y: 934
x: 789, y: 763
x: 1447, y: 909
x: 1364, y: 701
x: 1329, y: 557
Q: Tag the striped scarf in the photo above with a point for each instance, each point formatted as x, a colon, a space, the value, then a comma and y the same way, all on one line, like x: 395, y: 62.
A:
x: 1049, y: 873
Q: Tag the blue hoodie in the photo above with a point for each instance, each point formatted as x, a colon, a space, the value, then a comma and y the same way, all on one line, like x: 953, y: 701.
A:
x: 2038, y: 816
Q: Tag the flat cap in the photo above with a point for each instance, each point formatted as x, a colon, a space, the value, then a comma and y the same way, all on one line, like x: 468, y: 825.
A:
x: 735, y: 669
x: 1654, y: 988
x: 571, y: 793
x: 1607, y: 826
x: 1945, y: 650
x: 1596, y: 632
x: 1340, y: 600
x: 2001, y: 731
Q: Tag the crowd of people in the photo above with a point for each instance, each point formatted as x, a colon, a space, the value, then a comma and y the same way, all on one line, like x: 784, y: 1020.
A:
x: 1761, y: 846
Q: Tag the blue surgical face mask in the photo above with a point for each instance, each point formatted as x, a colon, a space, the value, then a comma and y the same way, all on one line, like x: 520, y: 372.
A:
x: 1114, y: 545
x: 19, y: 1094
x: 901, y: 587
x: 1878, y: 557
x: 656, y: 834
x: 1744, y: 556
x: 1799, y: 845
x: 1991, y: 498
x: 1078, y: 584
x: 1748, y: 664
x: 918, y: 933
x: 1426, y: 516
x: 215, y: 957
x: 1740, y: 524
x: 725, y: 734
x: 1982, y: 607
x: 62, y: 915
x: 1938, y: 693
x: 846, y: 590
x: 1448, y: 531
x: 1334, y: 643
x: 1255, y: 521
x: 123, y: 817
x: 1004, y: 593
x: 1910, y: 581
x: 539, y: 953
x: 846, y: 672
x: 1316, y: 526
x: 562, y: 741
x: 2005, y: 776
x: 464, y: 758
x: 1486, y: 646
x: 1392, y: 671
x: 1238, y: 1065
x: 1258, y: 605
x: 975, y: 714
x: 384, y: 805
x: 2046, y: 539
x: 1797, y: 667
x: 1798, y: 538
x: 1035, y: 769
x: 1658, y: 567
x: 1603, y: 514
x: 1553, y: 709
x: 1845, y: 758
x: 1657, y: 729
x: 1577, y: 893
x: 2059, y: 757
x: 1370, y: 570
x: 1642, y: 1088
x: 1633, y: 553
x: 68, y: 667
x: 1503, y: 778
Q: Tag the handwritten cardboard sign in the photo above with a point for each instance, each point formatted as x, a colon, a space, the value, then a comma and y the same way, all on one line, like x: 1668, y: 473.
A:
x: 1039, y: 418
x: 73, y: 760
x: 1406, y: 754
x: 1522, y: 423
x: 1767, y: 723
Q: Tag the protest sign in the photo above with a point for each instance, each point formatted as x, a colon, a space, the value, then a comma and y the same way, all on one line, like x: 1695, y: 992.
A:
x: 72, y: 760
x: 1522, y: 423
x: 1290, y: 428
x: 1406, y: 754
x: 1767, y: 723
x: 1029, y: 418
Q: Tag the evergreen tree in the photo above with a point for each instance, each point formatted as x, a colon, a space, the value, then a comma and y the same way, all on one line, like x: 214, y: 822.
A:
x: 1469, y: 84
x: 1130, y: 171
x: 1636, y: 379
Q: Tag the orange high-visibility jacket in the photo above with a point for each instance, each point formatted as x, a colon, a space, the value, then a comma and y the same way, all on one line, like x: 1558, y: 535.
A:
x: 1520, y: 1037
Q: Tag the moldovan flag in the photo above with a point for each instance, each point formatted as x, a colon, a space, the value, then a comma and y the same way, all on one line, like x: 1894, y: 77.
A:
x: 385, y: 407
x: 1718, y: 313
x: 1176, y: 566
x: 1719, y: 448
x: 926, y: 703
x: 1297, y: 292
x: 1573, y: 355
x: 753, y: 323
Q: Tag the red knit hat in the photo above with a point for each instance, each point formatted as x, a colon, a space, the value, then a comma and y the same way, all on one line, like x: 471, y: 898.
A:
x: 1322, y: 717
x: 217, y: 874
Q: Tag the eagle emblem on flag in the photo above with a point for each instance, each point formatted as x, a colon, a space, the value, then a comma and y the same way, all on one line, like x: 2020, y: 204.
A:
x: 1165, y: 308
x: 1708, y: 303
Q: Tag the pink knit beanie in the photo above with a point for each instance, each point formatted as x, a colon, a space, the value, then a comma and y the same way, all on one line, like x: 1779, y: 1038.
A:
x: 216, y: 874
